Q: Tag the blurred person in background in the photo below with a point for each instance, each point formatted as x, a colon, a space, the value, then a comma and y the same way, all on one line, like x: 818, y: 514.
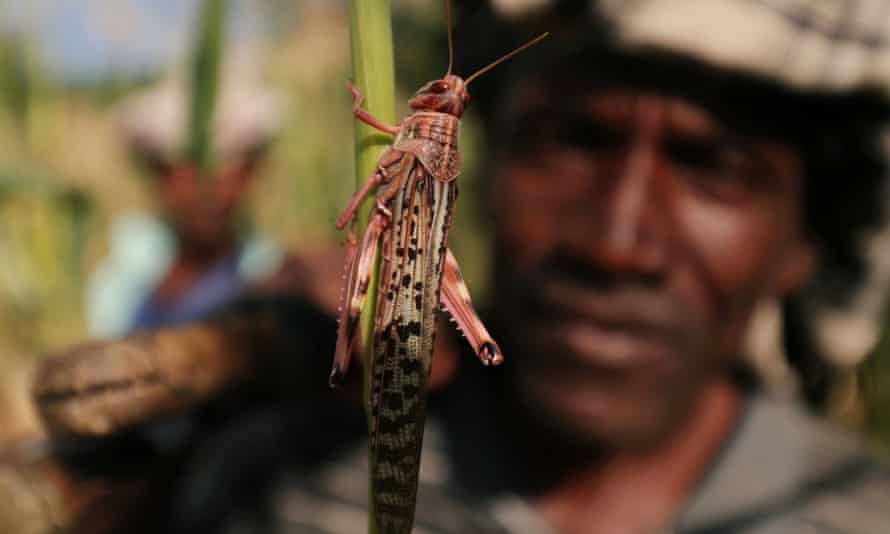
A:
x: 201, y: 252
x: 658, y: 169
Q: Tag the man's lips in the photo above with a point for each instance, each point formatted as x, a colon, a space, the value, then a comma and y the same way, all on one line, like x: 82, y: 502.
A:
x: 616, y: 328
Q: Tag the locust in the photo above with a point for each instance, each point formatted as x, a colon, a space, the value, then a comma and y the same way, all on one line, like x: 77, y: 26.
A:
x: 415, y: 182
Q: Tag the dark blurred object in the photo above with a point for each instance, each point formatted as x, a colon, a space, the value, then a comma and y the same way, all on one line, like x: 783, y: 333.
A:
x: 230, y: 401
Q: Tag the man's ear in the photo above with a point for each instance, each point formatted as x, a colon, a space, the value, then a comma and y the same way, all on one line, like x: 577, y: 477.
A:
x: 797, y: 267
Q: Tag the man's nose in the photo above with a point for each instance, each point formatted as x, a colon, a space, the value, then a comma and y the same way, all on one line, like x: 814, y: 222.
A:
x: 628, y: 229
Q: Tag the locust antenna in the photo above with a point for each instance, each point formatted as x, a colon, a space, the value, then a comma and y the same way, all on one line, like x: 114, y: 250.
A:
x: 497, y: 62
x: 450, y: 38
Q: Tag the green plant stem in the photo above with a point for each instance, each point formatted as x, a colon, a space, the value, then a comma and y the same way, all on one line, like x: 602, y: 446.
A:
x: 205, y: 84
x: 374, y: 75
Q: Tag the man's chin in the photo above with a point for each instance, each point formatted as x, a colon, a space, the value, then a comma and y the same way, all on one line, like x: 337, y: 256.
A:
x: 607, y: 417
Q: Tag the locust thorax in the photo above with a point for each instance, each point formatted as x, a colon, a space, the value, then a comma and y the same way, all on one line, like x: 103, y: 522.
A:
x: 448, y: 95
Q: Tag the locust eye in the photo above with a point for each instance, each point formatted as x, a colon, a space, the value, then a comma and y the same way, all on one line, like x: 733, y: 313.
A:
x: 439, y: 87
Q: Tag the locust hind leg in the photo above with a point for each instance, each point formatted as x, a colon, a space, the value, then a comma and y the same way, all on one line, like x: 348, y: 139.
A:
x: 351, y: 301
x: 456, y: 300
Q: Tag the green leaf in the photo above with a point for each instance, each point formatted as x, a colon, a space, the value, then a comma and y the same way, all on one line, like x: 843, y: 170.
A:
x: 206, y: 60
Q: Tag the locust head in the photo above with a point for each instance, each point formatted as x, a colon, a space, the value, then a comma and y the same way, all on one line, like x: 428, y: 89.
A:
x: 448, y: 95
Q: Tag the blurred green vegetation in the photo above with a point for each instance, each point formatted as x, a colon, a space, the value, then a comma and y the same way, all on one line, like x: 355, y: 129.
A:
x: 208, y: 54
x: 873, y: 379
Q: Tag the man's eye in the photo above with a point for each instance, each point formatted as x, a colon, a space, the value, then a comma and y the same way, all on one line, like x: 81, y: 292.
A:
x: 722, y: 169
x: 568, y: 132
x: 588, y: 135
x: 705, y: 155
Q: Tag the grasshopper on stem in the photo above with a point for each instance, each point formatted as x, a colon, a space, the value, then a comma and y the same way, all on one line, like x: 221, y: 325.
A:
x: 415, y: 184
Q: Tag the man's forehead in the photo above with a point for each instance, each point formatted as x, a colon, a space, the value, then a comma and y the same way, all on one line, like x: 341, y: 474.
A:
x: 561, y: 79
x: 615, y: 105
x: 623, y: 106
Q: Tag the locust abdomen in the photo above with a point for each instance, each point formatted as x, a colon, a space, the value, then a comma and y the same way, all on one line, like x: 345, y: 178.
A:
x: 414, y: 258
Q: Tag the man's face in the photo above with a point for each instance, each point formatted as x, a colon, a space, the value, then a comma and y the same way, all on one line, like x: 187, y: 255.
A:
x: 202, y: 211
x: 636, y: 234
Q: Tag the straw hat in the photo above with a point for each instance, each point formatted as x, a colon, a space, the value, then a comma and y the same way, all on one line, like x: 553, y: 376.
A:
x: 247, y: 118
x: 827, y: 45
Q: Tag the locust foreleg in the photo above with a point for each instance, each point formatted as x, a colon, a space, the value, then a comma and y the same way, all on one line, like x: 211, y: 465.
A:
x: 456, y: 300
x: 359, y: 276
x: 377, y: 179
x: 352, y: 208
x: 366, y: 117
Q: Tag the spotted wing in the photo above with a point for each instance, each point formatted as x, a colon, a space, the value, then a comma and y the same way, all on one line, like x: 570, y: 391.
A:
x: 413, y: 259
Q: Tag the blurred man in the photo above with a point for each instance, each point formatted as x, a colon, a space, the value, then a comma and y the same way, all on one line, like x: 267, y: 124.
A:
x: 659, y: 168
x: 200, y: 255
